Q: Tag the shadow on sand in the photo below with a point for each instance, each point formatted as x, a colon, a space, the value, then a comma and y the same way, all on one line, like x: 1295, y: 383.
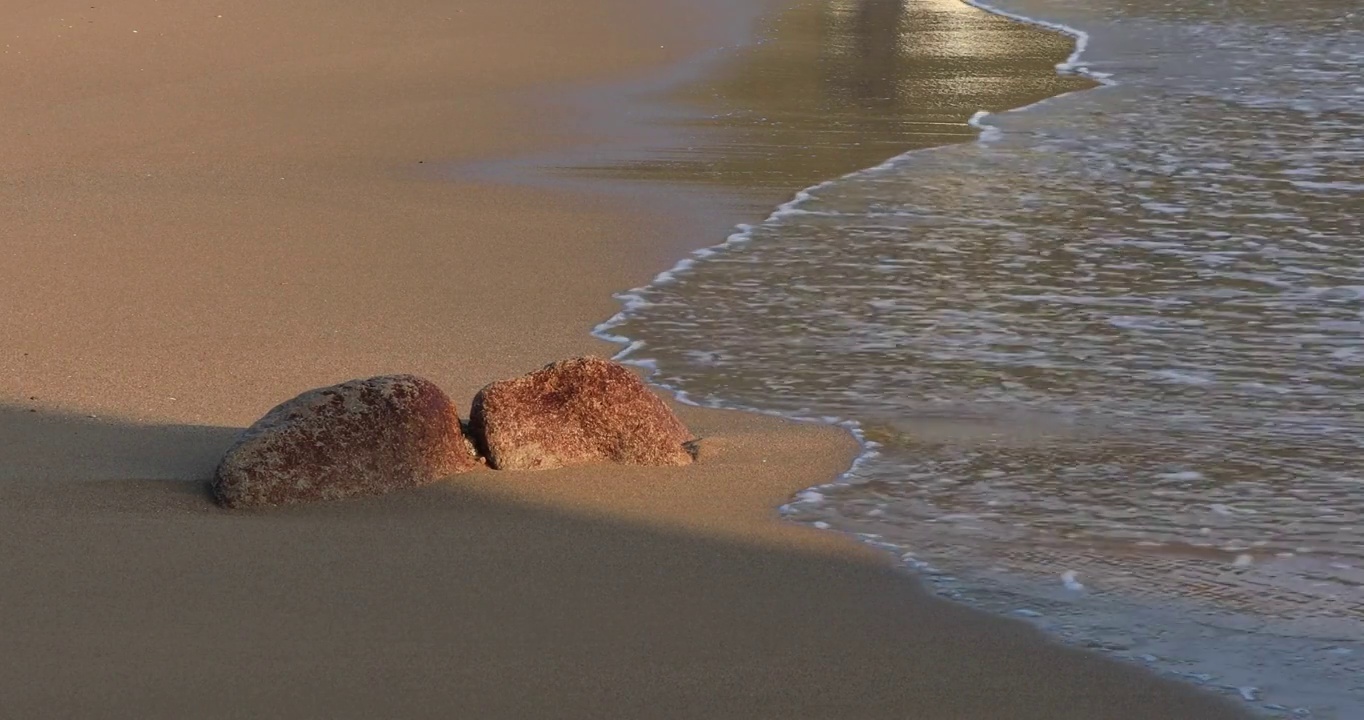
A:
x: 138, y: 597
x: 56, y: 455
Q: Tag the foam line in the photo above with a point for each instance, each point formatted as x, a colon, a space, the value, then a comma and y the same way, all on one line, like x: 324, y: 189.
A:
x: 1070, y: 64
x: 634, y: 299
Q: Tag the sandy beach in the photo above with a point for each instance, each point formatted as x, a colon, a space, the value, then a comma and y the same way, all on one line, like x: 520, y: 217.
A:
x: 209, y: 208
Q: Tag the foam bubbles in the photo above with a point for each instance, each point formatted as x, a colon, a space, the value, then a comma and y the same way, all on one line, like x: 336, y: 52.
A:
x: 1119, y: 337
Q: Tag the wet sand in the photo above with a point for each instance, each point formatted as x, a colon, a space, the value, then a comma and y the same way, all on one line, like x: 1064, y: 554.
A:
x: 836, y: 88
x: 209, y: 209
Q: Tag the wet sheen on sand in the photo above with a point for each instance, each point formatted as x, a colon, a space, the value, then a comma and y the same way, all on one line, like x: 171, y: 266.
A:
x: 1110, y: 357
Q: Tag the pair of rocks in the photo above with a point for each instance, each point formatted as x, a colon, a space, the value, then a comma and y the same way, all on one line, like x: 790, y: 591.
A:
x: 368, y: 437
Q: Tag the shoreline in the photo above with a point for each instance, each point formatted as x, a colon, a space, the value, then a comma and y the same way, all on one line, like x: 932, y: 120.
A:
x: 1072, y: 65
x: 1172, y: 666
x: 130, y: 595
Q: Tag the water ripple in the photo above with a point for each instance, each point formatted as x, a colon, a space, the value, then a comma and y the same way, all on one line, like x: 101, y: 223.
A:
x: 1125, y: 335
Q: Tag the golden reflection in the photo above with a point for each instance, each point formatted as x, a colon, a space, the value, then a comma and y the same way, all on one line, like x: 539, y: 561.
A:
x: 845, y: 84
x: 956, y: 33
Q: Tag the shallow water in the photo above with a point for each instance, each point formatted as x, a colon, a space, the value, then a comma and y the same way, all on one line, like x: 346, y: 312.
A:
x: 1109, y: 360
x: 837, y: 86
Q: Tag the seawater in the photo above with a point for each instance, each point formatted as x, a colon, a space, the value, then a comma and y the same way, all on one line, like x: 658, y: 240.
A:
x: 1107, y: 361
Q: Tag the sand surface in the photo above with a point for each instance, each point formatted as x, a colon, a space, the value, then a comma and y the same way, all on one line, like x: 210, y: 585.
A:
x: 209, y: 207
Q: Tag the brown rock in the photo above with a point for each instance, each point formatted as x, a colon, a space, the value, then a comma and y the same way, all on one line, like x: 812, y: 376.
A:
x: 363, y: 437
x: 576, y: 411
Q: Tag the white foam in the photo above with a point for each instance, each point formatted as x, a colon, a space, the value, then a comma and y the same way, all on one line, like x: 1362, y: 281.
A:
x: 1225, y: 541
x: 1342, y: 186
x: 1070, y: 581
x: 810, y: 496
x: 988, y: 133
x: 1072, y: 63
x: 1180, y: 377
x: 744, y: 233
x: 1183, y: 476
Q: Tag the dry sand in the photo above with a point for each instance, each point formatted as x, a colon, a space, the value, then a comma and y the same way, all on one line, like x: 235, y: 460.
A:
x: 209, y: 207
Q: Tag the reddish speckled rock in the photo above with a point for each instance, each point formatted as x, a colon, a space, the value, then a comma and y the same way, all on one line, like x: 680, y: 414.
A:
x: 363, y: 437
x: 576, y: 411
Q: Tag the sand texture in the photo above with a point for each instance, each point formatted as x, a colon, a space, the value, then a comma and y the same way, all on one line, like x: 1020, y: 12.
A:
x: 208, y: 208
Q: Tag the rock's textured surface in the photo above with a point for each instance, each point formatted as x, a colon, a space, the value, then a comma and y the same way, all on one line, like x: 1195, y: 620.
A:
x: 363, y: 437
x: 576, y: 411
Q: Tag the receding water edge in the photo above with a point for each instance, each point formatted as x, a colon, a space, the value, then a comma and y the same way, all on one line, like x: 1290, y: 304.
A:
x: 635, y: 352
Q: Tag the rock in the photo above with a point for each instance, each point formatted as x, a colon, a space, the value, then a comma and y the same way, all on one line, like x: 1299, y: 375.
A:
x: 576, y: 411
x: 363, y: 437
